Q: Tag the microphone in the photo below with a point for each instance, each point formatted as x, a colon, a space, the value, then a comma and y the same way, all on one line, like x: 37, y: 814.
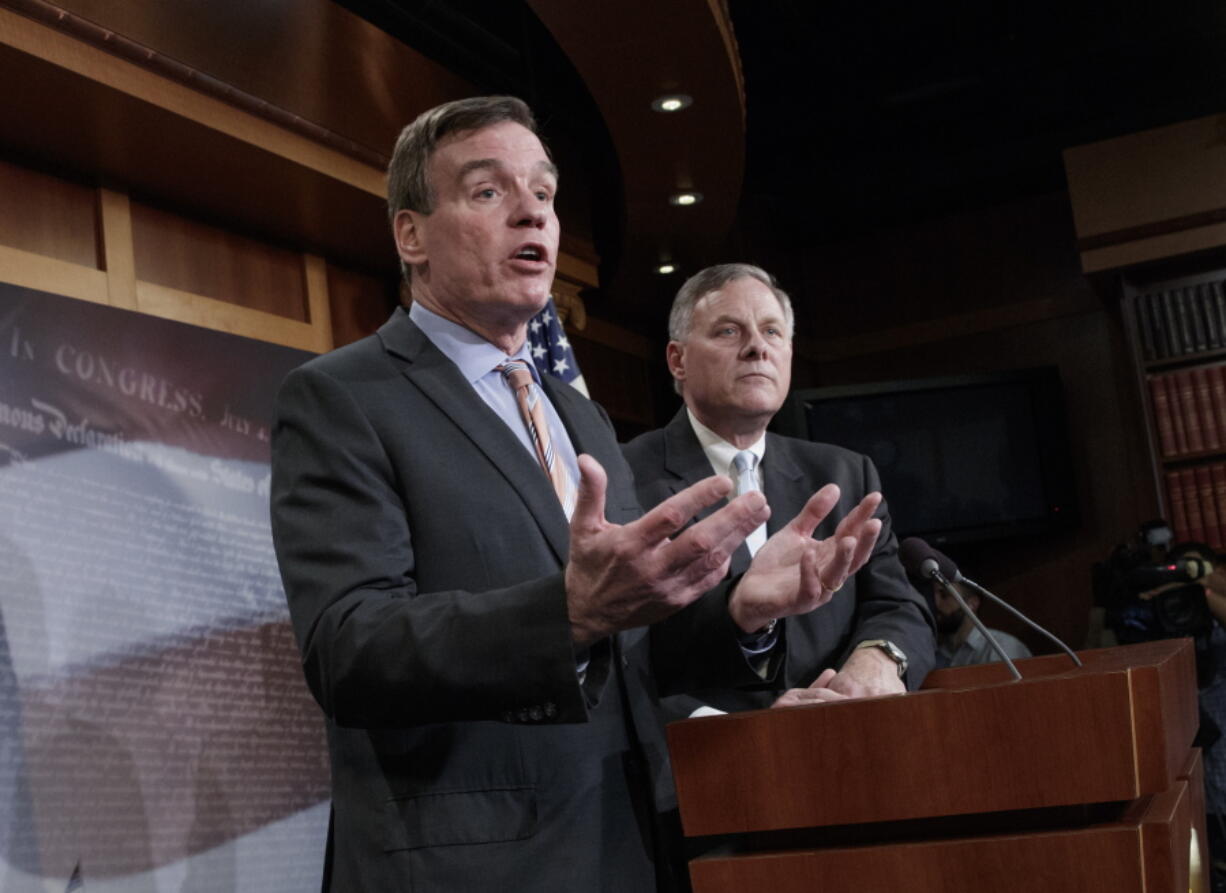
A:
x: 922, y: 560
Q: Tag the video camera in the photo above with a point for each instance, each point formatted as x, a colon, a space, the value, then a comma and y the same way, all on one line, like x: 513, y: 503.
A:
x: 1151, y: 590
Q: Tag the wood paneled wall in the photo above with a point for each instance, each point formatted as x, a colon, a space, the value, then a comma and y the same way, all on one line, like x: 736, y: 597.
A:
x: 49, y: 216
x: 215, y: 212
x: 183, y: 254
x: 97, y: 245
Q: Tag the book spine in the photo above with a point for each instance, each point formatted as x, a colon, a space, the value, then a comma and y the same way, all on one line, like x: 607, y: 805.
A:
x: 1217, y: 397
x: 1208, y: 506
x: 1176, y: 505
x: 1213, y: 323
x: 1185, y: 385
x: 1219, y: 307
x: 1162, y: 416
x: 1173, y: 348
x: 1217, y: 473
x: 1172, y: 398
x: 1183, y: 321
x: 1207, y: 411
x: 1196, y: 325
x: 1191, y: 501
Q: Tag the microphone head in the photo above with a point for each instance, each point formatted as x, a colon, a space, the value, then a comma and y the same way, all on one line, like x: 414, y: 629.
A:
x: 929, y: 568
x: 913, y: 552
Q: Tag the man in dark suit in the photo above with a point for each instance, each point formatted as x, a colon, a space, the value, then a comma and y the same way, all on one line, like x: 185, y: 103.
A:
x: 467, y: 572
x: 730, y: 353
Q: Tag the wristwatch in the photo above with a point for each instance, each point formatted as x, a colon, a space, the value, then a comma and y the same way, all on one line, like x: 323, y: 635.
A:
x: 892, y: 651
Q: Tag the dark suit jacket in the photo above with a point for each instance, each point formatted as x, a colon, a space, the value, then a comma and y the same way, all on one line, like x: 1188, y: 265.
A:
x: 422, y: 550
x: 877, y: 603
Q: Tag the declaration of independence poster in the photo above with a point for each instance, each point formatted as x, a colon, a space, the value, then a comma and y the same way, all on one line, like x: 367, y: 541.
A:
x: 156, y: 733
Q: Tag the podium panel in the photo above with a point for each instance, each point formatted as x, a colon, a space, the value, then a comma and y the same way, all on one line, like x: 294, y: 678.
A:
x: 1070, y: 779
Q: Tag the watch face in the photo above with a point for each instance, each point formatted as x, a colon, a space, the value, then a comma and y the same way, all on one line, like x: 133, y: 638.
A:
x: 892, y: 651
x: 896, y: 655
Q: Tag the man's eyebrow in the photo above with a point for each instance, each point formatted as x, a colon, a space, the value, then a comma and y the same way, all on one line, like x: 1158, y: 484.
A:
x: 477, y: 164
x: 740, y: 321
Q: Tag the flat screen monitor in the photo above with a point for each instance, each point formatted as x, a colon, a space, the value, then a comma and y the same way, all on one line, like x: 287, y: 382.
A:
x: 971, y: 458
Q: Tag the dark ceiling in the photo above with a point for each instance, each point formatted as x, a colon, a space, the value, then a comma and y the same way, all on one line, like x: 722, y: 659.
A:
x: 876, y: 112
x: 868, y: 113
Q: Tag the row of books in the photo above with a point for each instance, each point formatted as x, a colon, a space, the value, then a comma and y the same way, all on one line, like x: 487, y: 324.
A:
x: 1182, y: 320
x: 1190, y: 410
x: 1196, y: 498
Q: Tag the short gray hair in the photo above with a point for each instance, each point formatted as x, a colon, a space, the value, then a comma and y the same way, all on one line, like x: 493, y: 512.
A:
x: 702, y: 283
x: 408, y: 186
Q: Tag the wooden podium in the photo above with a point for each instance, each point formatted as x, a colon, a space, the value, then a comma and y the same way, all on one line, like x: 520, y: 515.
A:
x: 1072, y: 779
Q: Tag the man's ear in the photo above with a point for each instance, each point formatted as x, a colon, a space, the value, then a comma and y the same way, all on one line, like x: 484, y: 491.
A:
x: 674, y: 354
x: 409, y: 232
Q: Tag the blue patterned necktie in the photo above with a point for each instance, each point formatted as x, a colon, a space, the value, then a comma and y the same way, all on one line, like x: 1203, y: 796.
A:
x: 746, y: 464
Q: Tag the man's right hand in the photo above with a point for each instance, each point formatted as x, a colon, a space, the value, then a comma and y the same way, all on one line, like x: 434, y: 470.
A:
x: 622, y: 576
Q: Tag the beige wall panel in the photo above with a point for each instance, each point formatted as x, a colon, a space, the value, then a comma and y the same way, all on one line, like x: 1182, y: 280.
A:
x: 1149, y: 177
x: 48, y: 216
x: 47, y: 274
x: 169, y: 303
x: 193, y: 257
x: 359, y: 303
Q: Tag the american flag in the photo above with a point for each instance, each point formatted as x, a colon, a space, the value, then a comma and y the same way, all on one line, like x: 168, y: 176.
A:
x: 551, y: 351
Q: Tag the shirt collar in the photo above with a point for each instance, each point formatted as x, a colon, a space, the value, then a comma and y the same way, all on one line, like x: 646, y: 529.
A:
x: 474, y: 356
x: 720, y: 452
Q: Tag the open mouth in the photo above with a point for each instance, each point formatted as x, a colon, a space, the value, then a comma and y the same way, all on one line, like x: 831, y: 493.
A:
x: 533, y: 253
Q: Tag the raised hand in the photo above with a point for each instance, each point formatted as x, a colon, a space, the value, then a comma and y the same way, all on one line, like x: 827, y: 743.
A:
x: 794, y: 573
x: 622, y: 576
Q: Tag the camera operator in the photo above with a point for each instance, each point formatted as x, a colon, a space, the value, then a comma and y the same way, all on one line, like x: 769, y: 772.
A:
x: 1198, y: 608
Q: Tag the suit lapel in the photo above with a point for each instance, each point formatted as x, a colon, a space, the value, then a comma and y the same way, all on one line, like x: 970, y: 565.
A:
x: 782, y: 482
x: 580, y: 435
x: 426, y: 367
x: 684, y: 459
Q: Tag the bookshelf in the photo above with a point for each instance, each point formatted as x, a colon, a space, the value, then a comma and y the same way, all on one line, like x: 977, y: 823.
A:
x: 1178, y: 332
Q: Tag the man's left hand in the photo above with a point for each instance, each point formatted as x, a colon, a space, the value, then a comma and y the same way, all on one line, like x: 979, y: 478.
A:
x: 794, y: 573
x: 869, y: 672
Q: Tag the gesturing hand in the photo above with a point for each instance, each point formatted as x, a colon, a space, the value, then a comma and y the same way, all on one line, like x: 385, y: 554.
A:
x: 794, y: 573
x: 620, y: 577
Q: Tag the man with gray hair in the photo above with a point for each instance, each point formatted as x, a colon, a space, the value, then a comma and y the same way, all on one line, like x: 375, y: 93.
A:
x: 730, y: 354
x: 468, y: 575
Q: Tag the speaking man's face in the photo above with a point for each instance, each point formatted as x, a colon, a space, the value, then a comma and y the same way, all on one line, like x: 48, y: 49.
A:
x: 485, y: 256
x: 736, y: 363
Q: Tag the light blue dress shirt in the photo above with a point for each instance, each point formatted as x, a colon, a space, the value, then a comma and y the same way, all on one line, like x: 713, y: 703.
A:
x: 477, y: 359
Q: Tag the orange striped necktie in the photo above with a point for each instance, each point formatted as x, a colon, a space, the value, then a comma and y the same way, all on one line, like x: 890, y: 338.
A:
x: 532, y: 410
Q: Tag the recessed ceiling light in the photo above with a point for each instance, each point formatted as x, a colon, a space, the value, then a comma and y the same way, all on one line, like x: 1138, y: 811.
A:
x: 672, y: 102
x: 666, y: 269
x: 685, y: 198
